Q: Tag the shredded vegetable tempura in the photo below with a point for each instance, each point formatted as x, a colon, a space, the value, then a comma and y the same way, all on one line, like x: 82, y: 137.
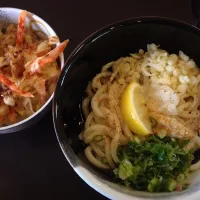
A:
x: 28, y: 71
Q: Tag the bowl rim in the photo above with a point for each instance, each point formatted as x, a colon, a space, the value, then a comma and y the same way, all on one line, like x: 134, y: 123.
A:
x: 61, y: 57
x: 85, y: 174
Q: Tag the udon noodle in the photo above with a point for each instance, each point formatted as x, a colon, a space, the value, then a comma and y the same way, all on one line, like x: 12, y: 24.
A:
x: 171, y: 85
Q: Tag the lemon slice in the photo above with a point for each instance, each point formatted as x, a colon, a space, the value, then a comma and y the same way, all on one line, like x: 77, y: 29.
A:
x: 134, y: 111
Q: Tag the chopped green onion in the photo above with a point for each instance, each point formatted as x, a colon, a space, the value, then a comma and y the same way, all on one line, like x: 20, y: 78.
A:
x: 180, y: 178
x: 171, y: 185
x: 156, y: 164
x: 125, y: 169
x: 153, y: 184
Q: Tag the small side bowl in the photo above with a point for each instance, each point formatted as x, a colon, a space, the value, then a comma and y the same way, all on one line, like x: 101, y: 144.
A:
x: 42, y: 29
x: 108, y: 44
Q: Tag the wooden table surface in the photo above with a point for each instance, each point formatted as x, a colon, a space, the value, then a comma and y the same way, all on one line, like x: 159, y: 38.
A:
x: 32, y: 165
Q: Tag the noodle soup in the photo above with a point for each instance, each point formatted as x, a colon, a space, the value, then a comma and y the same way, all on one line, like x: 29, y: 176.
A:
x: 142, y: 119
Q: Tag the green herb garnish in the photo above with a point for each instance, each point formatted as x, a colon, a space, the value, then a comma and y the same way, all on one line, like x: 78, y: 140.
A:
x: 155, y: 165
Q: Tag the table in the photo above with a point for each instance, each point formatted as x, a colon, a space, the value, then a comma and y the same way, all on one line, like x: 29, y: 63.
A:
x: 32, y: 165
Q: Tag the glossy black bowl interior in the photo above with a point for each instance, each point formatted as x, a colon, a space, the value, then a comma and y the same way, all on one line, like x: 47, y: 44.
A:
x: 108, y: 44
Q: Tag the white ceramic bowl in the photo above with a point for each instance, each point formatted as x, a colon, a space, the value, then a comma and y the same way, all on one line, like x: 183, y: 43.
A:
x: 42, y: 28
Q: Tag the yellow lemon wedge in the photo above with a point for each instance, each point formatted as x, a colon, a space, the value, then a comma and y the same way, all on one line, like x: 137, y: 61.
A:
x: 134, y: 111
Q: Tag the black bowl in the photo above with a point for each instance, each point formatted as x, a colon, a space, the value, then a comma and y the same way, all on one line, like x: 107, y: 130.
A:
x: 108, y: 44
